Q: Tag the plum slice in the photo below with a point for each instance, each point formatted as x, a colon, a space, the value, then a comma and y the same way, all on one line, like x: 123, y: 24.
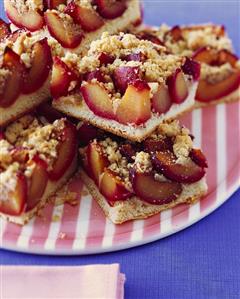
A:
x: 175, y: 33
x: 14, y: 80
x: 63, y: 30
x: 213, y: 57
x: 206, y: 55
x: 39, y: 180
x: 66, y: 151
x: 165, y: 163
x: 105, y: 58
x: 192, y: 68
x: 226, y: 56
x: 144, y: 35
x: 40, y: 68
x: 112, y: 187
x: 135, y: 105
x: 124, y: 76
x: 110, y: 9
x: 198, y: 157
x: 62, y: 76
x: 15, y: 201
x: 138, y: 56
x: 98, y: 100
x: 96, y: 74
x: 177, y: 87
x: 127, y: 150
x: 86, y: 133
x: 96, y: 161
x: 88, y: 18
x: 207, y: 92
x: 153, y: 191
x: 154, y: 145
x: 161, y: 100
x: 30, y: 19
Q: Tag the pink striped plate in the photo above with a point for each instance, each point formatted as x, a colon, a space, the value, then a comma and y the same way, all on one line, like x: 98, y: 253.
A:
x: 83, y: 229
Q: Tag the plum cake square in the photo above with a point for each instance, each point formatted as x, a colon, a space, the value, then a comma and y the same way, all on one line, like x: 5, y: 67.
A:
x: 25, y: 72
x: 35, y: 160
x: 73, y: 23
x: 124, y: 85
x: 131, y: 180
x: 209, y: 45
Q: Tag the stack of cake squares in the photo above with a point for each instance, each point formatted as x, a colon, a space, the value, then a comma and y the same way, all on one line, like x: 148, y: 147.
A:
x: 86, y: 87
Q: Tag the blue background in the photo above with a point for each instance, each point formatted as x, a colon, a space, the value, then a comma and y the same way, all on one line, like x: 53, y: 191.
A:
x: 202, y: 261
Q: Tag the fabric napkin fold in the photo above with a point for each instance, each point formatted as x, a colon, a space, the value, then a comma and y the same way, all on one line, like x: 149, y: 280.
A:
x: 78, y: 282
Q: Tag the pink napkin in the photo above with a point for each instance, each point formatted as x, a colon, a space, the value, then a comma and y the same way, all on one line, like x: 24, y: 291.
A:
x: 78, y: 282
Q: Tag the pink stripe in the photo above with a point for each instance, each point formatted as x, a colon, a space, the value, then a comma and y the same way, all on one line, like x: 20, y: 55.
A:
x: 69, y: 218
x: 123, y: 233
x: 96, y: 227
x: 11, y: 233
x: 152, y: 226
x: 210, y: 150
x: 41, y: 228
x: 233, y: 139
x: 180, y: 214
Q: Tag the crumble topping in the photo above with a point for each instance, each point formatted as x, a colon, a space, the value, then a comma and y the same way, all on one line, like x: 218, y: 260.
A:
x: 155, y: 68
x: 169, y: 129
x: 61, y: 7
x: 56, y: 48
x: 182, y: 145
x: 195, y: 37
x: 24, y: 5
x: 143, y: 162
x: 41, y: 141
x: 118, y: 163
x: 83, y: 3
x: 34, y: 4
x: 122, y: 45
x: 69, y: 24
x: 8, y: 180
x: 110, y: 148
x: 24, y: 139
x: 17, y: 128
x: 5, y: 158
x: 23, y: 46
x: 29, y: 133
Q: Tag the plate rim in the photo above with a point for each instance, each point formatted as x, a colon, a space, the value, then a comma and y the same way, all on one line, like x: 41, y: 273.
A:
x: 225, y: 196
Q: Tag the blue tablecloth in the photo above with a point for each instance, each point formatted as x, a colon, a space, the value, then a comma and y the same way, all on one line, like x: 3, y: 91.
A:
x: 202, y: 261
